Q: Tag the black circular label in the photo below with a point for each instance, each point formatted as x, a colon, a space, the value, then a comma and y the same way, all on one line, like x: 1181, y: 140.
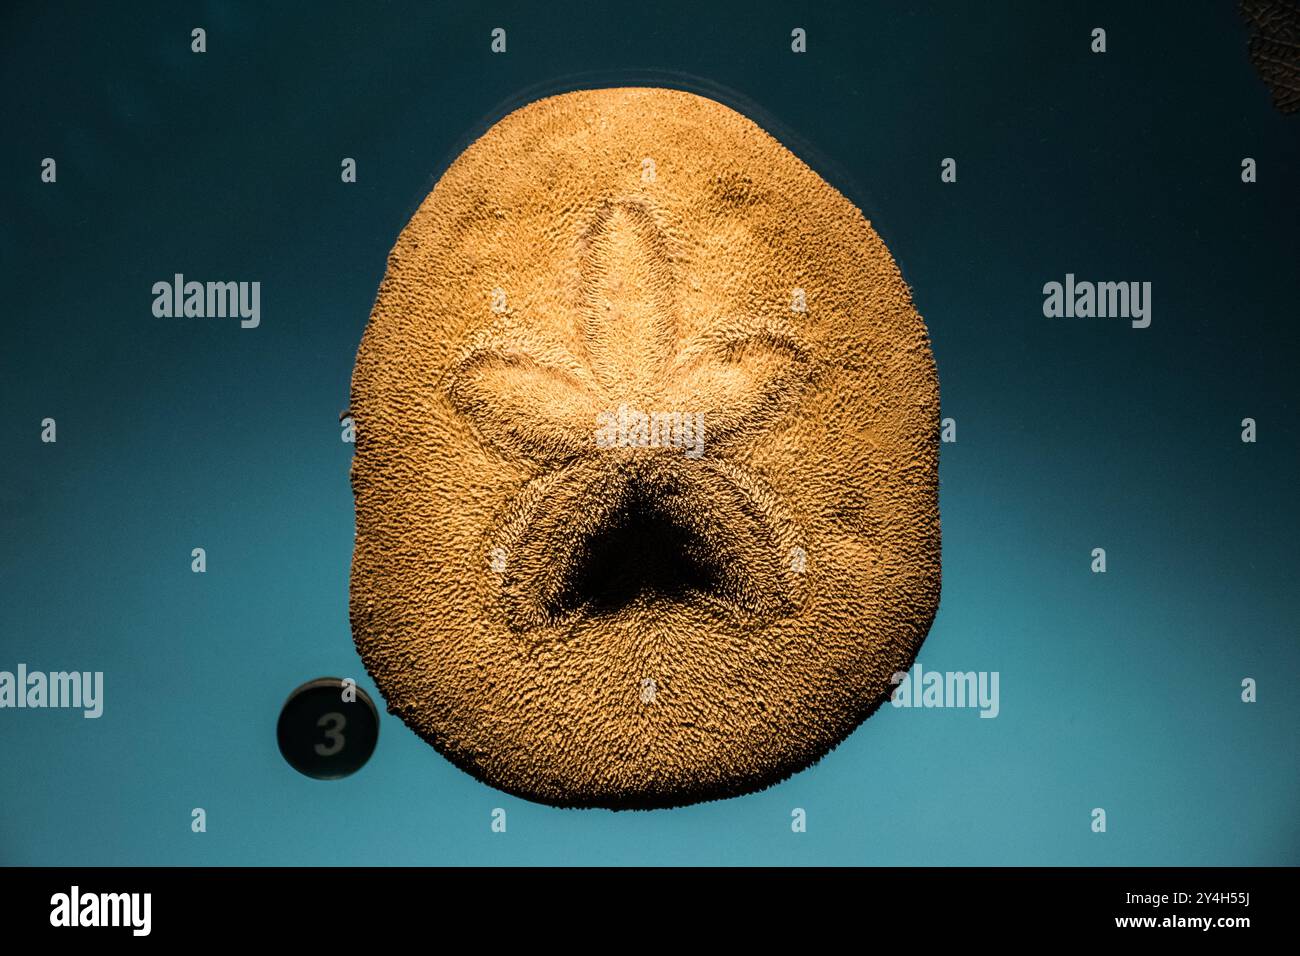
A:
x: 328, y: 728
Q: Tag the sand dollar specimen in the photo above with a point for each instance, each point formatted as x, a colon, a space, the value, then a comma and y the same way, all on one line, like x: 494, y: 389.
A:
x: 646, y: 461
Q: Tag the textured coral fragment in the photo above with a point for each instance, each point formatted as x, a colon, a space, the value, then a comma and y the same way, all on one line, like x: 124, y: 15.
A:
x: 1275, y: 48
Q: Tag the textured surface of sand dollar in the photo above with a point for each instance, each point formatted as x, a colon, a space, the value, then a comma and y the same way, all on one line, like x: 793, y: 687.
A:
x: 646, y: 465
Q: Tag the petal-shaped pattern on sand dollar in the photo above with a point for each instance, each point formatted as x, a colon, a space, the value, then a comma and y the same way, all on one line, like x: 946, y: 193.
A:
x: 520, y: 405
x: 740, y: 381
x: 628, y: 285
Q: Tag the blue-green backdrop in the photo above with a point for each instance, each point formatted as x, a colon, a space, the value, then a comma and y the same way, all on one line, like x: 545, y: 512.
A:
x: 1119, y: 691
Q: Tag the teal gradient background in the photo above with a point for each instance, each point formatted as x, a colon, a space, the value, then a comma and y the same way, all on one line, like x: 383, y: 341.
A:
x: 1119, y: 690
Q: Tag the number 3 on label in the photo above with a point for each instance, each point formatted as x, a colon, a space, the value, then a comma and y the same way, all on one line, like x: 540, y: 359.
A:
x: 333, y: 734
